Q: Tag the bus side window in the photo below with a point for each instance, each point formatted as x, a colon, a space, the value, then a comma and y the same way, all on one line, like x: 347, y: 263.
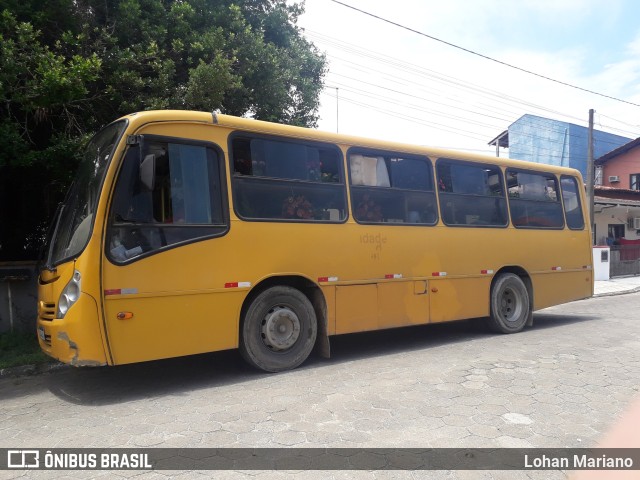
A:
x: 534, y: 199
x: 571, y: 202
x: 471, y: 194
x: 132, y: 203
x: 392, y: 188
x: 287, y: 181
x: 186, y: 202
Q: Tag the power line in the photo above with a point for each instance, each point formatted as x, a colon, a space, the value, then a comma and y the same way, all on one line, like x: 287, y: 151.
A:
x: 413, y: 69
x: 486, y: 57
x: 419, y: 92
x: 541, y: 122
x: 421, y: 121
x: 635, y: 134
x: 532, y: 150
x: 405, y: 94
x: 496, y: 97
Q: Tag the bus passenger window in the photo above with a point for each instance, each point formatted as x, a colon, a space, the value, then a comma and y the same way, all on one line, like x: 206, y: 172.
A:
x: 288, y: 181
x: 183, y: 202
x: 534, y: 199
x: 471, y: 194
x: 392, y: 188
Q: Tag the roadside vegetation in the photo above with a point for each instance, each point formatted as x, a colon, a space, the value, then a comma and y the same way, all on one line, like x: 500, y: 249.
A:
x: 69, y: 67
x: 17, y: 349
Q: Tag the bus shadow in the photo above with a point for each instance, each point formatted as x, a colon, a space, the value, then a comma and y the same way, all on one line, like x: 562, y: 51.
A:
x: 175, y: 376
x: 553, y: 320
x: 179, y: 376
x: 402, y: 340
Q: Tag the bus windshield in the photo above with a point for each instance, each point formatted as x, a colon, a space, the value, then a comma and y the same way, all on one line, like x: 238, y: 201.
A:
x: 75, y: 218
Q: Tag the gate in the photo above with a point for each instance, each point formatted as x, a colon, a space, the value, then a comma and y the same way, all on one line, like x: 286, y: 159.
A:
x: 625, y: 260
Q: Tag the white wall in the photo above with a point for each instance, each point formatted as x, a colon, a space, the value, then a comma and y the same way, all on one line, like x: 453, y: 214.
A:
x: 614, y: 216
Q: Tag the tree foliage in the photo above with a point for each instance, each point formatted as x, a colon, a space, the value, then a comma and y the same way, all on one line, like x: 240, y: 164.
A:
x: 67, y: 67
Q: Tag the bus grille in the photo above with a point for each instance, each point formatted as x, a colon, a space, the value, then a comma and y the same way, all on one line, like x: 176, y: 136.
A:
x: 47, y: 340
x: 47, y: 311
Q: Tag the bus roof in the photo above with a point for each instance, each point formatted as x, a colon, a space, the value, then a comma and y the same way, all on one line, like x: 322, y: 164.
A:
x: 259, y: 126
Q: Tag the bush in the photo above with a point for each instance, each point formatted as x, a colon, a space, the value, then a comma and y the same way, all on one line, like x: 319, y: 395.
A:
x: 18, y: 349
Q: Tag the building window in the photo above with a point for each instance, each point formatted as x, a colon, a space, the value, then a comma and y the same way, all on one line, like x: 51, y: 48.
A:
x: 634, y: 181
x: 615, y: 231
x: 598, y: 176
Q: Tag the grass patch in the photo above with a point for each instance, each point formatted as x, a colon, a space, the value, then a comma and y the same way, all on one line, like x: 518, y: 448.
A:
x: 18, y: 349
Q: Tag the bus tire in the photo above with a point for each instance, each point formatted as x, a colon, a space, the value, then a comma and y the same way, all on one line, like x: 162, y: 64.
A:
x: 510, y: 304
x: 279, y: 329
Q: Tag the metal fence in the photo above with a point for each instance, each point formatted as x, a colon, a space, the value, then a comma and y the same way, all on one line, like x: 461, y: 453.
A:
x: 625, y: 260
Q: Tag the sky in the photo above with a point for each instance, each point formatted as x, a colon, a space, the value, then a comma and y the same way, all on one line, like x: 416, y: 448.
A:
x: 387, y: 82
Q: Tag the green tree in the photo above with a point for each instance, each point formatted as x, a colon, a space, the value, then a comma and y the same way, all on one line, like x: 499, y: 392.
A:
x: 67, y: 67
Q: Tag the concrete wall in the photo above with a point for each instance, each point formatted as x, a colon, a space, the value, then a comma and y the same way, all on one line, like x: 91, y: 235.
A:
x: 18, y: 282
x: 552, y: 142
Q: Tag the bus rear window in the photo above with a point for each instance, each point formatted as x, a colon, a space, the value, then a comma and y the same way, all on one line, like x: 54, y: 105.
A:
x: 572, y: 205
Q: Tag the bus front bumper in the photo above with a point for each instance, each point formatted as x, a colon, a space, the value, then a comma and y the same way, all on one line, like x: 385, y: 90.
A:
x: 76, y: 338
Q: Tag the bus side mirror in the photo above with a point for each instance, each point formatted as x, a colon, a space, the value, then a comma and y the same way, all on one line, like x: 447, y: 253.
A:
x: 148, y: 171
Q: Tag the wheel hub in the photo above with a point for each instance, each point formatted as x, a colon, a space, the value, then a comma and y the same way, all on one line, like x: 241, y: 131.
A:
x: 508, y: 305
x: 280, y: 328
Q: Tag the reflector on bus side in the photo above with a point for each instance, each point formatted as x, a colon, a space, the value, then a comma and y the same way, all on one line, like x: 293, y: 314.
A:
x: 327, y: 279
x: 237, y: 285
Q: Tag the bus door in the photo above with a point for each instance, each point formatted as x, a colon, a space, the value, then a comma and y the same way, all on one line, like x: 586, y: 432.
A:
x: 166, y: 221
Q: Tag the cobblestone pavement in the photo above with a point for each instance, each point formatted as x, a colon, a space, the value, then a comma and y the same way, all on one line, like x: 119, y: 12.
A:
x: 559, y: 384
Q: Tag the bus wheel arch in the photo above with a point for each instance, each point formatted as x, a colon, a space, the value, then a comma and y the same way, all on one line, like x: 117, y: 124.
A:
x: 510, y: 300
x: 281, y: 321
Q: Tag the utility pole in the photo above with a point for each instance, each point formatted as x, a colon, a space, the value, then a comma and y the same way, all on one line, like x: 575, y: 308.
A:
x: 590, y: 169
x: 337, y: 106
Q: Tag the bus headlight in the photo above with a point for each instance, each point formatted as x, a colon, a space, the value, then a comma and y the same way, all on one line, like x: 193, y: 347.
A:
x: 69, y: 295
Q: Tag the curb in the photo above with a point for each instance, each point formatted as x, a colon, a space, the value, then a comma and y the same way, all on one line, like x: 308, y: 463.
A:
x: 621, y: 292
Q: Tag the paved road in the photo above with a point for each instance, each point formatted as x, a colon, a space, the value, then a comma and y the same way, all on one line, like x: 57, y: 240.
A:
x: 559, y: 384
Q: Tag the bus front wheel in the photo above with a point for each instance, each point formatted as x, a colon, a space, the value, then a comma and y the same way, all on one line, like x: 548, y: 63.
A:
x: 510, y: 304
x: 278, y: 330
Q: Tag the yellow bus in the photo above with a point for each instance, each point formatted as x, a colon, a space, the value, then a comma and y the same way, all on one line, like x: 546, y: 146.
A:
x: 191, y: 232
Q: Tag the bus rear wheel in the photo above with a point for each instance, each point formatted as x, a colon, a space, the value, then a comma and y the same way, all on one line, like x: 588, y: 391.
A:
x: 279, y: 329
x: 510, y: 304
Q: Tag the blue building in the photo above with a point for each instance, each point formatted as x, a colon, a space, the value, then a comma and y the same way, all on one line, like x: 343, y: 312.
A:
x: 543, y: 140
